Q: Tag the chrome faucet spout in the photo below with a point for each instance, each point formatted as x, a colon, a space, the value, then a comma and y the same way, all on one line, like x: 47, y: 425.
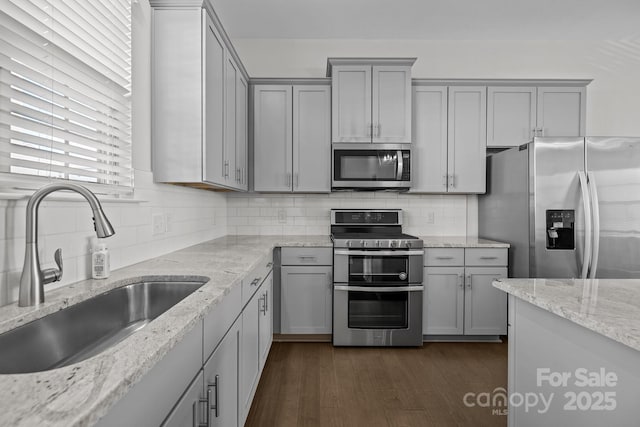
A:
x: 33, y: 277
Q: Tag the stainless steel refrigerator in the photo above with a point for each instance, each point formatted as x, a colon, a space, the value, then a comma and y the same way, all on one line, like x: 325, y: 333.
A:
x: 569, y: 207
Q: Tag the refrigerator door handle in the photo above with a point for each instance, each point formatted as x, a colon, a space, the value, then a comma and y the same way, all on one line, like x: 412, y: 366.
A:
x: 595, y: 206
x: 586, y: 258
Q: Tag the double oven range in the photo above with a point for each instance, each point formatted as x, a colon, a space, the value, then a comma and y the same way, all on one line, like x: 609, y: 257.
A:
x: 377, y: 279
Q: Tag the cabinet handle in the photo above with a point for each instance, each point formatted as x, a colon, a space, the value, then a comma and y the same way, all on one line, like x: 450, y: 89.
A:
x: 444, y: 257
x: 288, y: 179
x: 197, y: 411
x: 226, y: 169
x: 452, y: 182
x: 369, y: 130
x: 488, y: 257
x: 266, y: 302
x: 215, y: 385
x: 269, y: 264
x: 444, y: 181
x: 460, y: 280
x: 468, y: 281
x: 255, y: 281
x: 378, y: 130
x: 307, y: 257
x: 242, y: 176
x: 297, y: 180
x: 263, y: 299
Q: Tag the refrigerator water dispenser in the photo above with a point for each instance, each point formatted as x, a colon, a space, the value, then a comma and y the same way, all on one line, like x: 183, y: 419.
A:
x: 560, y: 229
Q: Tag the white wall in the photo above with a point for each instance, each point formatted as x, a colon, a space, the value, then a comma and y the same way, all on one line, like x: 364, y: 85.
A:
x: 612, y: 98
x: 195, y: 215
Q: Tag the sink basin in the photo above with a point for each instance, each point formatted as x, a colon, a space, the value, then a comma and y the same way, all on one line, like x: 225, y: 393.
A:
x: 89, y: 327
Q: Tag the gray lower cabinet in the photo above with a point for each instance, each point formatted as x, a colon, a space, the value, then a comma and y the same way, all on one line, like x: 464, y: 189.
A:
x: 306, y: 301
x: 221, y: 380
x: 232, y: 341
x: 255, y: 342
x: 189, y: 411
x: 458, y: 296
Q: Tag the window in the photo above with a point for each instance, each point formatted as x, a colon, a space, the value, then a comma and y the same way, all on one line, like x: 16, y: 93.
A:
x: 65, y: 83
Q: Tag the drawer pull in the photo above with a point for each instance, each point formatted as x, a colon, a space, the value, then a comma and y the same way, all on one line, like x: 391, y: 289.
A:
x: 306, y: 257
x: 488, y: 257
x: 444, y: 257
x: 269, y: 264
x: 255, y: 281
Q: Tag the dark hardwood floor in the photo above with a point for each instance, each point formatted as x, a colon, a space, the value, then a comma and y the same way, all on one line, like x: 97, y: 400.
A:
x: 316, y: 384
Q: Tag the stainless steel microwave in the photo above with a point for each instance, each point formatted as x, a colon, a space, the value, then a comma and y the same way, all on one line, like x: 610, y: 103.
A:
x: 371, y: 167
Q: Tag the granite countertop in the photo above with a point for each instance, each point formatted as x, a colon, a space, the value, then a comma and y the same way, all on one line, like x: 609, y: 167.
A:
x: 610, y: 307
x: 460, y: 242
x: 79, y: 394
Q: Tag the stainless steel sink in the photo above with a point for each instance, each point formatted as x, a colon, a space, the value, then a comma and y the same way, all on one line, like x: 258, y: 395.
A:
x: 89, y: 327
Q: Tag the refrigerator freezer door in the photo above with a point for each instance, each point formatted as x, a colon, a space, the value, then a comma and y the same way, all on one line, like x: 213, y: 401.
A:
x: 555, y: 186
x: 614, y: 171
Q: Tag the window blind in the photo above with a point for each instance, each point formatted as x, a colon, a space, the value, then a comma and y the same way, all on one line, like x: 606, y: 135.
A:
x: 65, y: 83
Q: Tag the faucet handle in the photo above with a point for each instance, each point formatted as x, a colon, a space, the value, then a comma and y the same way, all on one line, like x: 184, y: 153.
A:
x: 54, y: 274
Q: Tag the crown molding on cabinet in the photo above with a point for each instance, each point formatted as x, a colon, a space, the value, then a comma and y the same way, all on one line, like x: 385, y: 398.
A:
x: 289, y: 81
x: 187, y: 4
x: 372, y: 61
x: 502, y: 82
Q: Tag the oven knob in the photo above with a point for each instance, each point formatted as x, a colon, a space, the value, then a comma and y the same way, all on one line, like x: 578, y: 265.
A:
x: 362, y: 244
x: 393, y: 244
x: 348, y: 244
x: 402, y: 276
x: 377, y: 243
x: 407, y: 244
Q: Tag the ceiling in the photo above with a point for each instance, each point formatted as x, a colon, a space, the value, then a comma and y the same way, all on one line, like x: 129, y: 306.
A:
x: 430, y: 19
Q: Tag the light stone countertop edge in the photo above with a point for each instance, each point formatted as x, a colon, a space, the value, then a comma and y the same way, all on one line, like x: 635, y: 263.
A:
x: 609, y: 307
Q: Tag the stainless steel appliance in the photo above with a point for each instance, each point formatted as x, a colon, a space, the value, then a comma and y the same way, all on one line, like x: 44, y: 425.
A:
x: 377, y: 275
x: 569, y: 207
x: 371, y: 167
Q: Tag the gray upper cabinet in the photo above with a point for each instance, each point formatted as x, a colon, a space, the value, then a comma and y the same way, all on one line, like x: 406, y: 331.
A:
x: 429, y: 150
x: 449, y: 139
x: 515, y: 115
x: 242, y: 132
x: 351, y: 103
x: 291, y: 138
x: 272, y: 138
x: 371, y: 100
x: 561, y: 111
x: 311, y: 139
x: 467, y: 139
x: 195, y: 100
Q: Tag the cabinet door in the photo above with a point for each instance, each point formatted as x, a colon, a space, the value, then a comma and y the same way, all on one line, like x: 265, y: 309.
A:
x: 467, y: 136
x: 561, y: 111
x: 188, y: 411
x: 265, y: 325
x: 249, y: 355
x: 391, y: 104
x: 242, y: 129
x: 511, y: 116
x: 306, y: 300
x: 485, y: 307
x: 429, y: 151
x: 351, y: 103
x: 221, y: 380
x: 443, y: 304
x: 311, y: 139
x: 272, y: 138
x: 231, y: 77
x: 214, y: 105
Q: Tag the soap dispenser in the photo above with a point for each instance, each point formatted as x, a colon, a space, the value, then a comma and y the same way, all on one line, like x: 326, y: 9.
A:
x: 100, y: 261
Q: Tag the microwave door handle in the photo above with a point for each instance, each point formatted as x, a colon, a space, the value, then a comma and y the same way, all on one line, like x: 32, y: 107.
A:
x: 400, y: 166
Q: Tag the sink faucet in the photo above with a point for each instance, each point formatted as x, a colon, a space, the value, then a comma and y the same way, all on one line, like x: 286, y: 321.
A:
x: 33, y: 278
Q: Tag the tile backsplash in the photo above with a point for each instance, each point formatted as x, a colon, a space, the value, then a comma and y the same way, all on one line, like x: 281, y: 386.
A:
x: 308, y: 214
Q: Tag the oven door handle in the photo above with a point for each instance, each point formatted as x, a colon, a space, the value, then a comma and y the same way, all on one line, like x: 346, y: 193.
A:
x: 378, y: 288
x: 375, y: 252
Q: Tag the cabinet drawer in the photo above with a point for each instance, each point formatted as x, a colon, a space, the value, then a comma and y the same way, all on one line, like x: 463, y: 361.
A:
x: 307, y: 256
x: 483, y: 256
x: 252, y: 281
x: 443, y: 257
